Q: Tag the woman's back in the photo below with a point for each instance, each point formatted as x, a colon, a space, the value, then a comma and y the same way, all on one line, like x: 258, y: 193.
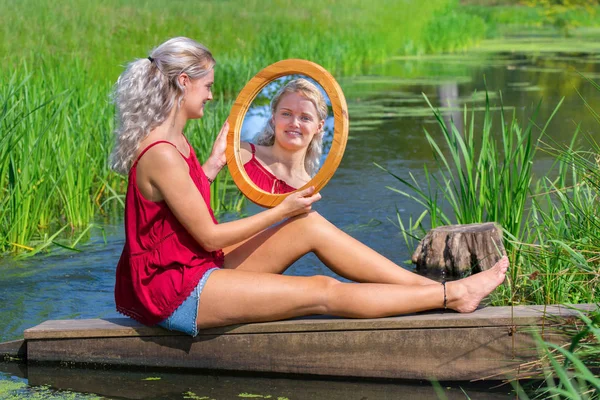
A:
x: 161, y: 262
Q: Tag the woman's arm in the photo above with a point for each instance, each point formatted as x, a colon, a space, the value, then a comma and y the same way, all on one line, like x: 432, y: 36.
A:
x: 168, y: 174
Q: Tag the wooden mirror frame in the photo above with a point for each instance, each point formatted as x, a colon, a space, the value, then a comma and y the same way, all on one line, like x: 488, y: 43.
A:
x: 242, y: 104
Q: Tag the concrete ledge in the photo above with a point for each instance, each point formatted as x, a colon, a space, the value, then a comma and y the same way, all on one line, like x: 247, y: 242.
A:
x: 13, y: 349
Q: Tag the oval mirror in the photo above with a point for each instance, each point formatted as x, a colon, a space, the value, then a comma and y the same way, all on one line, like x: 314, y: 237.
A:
x: 288, y: 130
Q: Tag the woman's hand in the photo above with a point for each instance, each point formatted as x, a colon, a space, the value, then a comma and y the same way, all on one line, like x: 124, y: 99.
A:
x: 299, y: 202
x: 218, y: 150
x: 217, y: 159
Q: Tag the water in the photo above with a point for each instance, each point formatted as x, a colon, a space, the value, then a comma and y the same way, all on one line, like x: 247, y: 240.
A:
x: 387, y: 116
x: 193, y: 385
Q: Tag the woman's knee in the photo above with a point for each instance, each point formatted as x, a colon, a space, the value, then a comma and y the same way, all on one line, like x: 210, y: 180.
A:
x: 310, y: 216
x: 311, y: 224
x: 324, y: 287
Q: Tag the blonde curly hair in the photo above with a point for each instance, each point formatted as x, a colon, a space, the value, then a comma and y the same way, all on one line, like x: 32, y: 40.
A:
x: 147, y: 91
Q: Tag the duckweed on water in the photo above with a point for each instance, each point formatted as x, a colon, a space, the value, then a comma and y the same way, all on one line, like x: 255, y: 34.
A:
x: 536, y: 46
x: 14, y: 390
x: 391, y: 112
x: 477, y: 60
x: 518, y: 84
x: 10, y: 387
x: 260, y: 396
x: 194, y: 396
x: 423, y: 81
x: 533, y: 88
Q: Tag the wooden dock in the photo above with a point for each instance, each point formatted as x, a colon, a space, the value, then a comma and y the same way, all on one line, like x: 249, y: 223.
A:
x: 490, y: 343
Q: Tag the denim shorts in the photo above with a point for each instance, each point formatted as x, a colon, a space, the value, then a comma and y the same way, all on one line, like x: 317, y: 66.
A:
x: 184, y: 317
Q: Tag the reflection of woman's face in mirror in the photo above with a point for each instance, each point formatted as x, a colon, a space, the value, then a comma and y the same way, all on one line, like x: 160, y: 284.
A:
x: 297, y: 122
x: 288, y: 151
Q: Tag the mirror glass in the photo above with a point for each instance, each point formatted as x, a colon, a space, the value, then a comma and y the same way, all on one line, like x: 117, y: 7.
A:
x: 262, y: 152
x: 272, y: 150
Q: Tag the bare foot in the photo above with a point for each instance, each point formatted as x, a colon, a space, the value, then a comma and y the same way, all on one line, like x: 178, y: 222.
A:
x: 465, y: 295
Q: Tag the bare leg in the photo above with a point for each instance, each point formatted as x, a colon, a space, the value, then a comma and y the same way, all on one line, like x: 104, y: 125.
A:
x: 236, y: 296
x: 276, y: 248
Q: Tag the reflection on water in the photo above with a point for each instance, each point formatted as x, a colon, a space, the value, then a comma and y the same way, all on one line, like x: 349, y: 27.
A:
x: 387, y: 118
x: 205, y: 385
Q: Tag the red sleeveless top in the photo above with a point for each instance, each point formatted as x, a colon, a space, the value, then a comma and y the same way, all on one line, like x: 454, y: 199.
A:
x: 161, y: 262
x: 263, y: 178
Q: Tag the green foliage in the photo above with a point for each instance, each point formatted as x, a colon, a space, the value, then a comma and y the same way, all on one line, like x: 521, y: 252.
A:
x: 563, y: 267
x: 62, y: 59
x: 478, y: 180
x: 54, y: 174
x: 570, y: 372
x: 552, y: 232
x: 244, y: 36
x: 542, y: 16
x: 454, y: 30
x: 561, y: 13
x: 506, y: 15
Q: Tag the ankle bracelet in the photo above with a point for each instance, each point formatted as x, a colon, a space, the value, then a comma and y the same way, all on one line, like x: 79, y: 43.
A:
x: 445, y: 299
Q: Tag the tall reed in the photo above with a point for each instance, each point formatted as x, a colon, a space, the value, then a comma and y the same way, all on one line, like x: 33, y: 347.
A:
x: 561, y: 251
x: 551, y: 229
x: 245, y: 36
x: 477, y: 179
x: 54, y: 174
x: 569, y: 371
x: 58, y: 122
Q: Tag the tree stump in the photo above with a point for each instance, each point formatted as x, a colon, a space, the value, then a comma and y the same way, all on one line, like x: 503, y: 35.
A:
x: 455, y: 251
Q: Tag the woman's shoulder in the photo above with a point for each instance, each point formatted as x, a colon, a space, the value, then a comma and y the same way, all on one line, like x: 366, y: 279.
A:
x: 161, y: 162
x: 247, y: 149
x: 245, y: 152
x: 160, y: 152
x: 152, y: 166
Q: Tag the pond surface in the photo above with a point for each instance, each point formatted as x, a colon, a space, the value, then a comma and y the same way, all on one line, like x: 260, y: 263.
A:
x: 388, y: 114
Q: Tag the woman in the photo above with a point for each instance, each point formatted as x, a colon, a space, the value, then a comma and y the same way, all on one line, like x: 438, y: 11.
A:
x: 184, y: 271
x: 288, y: 150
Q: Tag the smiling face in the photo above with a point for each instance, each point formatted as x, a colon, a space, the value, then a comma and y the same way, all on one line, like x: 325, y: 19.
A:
x: 197, y: 93
x: 296, y: 121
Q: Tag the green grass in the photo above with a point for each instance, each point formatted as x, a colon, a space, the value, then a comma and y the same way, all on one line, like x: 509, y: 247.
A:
x: 514, y: 19
x: 62, y: 59
x: 551, y: 224
x: 479, y: 179
x: 565, y: 229
x: 244, y: 36
x: 54, y: 174
x: 552, y: 231
x: 569, y: 371
x: 454, y: 30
